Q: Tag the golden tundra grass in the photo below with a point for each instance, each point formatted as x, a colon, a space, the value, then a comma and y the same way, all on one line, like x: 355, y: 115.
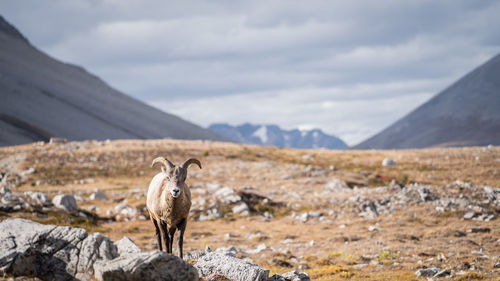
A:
x: 409, y: 240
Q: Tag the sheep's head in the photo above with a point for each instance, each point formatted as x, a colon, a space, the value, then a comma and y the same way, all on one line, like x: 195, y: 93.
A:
x: 176, y: 175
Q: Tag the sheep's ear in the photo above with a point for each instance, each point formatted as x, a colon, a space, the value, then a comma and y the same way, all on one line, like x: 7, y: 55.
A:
x: 190, y: 161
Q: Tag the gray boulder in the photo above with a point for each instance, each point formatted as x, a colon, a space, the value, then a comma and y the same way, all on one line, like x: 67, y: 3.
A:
x: 146, y: 266
x: 50, y: 252
x: 66, y: 202
x: 427, y: 272
x: 230, y: 267
x: 241, y: 208
x: 98, y: 195
x: 54, y: 252
x: 38, y: 197
x: 388, y: 162
x: 426, y: 194
x: 126, y: 246
x: 296, y: 276
x: 94, y: 248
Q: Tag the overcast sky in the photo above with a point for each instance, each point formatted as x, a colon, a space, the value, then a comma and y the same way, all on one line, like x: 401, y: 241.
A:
x: 350, y: 68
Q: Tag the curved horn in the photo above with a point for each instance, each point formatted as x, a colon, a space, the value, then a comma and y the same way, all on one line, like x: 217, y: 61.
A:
x: 190, y: 161
x: 167, y: 165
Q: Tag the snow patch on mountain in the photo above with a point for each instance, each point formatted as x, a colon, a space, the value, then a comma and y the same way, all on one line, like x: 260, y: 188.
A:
x: 275, y: 136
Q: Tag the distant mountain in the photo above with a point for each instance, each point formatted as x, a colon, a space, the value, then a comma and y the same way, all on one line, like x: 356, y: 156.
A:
x: 274, y: 136
x: 41, y: 97
x: 465, y: 114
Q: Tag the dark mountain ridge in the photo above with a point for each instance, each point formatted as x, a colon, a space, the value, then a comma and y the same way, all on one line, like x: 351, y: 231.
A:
x: 465, y: 114
x: 42, y: 97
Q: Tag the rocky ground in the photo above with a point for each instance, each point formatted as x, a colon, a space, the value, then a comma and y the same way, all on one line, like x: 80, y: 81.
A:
x: 334, y: 215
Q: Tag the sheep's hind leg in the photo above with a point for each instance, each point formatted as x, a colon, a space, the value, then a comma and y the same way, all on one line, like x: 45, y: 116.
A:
x: 172, y: 232
x: 166, y: 238
x: 181, y: 226
x: 158, y: 233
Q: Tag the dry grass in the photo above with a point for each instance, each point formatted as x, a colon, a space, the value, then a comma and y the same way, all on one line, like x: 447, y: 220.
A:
x: 411, y: 238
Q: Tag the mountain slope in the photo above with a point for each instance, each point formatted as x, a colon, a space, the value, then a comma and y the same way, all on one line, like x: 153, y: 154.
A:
x: 274, y: 136
x: 42, y: 97
x: 465, y: 114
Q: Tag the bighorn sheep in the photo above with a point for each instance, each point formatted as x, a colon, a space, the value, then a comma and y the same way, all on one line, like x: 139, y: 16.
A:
x: 169, y: 201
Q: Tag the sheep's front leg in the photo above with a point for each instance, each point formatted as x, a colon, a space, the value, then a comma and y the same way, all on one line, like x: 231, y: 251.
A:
x: 166, y: 238
x: 172, y: 233
x: 158, y: 233
x: 182, y: 227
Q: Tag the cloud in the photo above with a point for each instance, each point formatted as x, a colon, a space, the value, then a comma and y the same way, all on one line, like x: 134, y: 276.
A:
x: 353, y: 113
x: 350, y: 68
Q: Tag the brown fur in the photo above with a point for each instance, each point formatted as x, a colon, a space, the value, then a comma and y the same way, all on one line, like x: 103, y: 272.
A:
x: 167, y: 213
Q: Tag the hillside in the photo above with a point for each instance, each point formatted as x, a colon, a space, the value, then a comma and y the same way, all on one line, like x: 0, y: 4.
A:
x: 272, y: 135
x: 43, y: 97
x: 465, y: 114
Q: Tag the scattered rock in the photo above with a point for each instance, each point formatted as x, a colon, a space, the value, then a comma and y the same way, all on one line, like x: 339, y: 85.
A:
x: 307, y: 157
x: 98, y: 195
x: 427, y: 272
x: 38, y: 197
x: 66, y: 202
x: 257, y: 250
x: 442, y: 273
x: 296, y: 276
x: 479, y: 230
x: 276, y: 277
x: 227, y: 195
x: 146, y: 266
x: 231, y: 251
x: 440, y: 209
x: 230, y: 267
x: 469, y: 215
x: 388, y: 162
x: 309, y: 215
x: 211, y: 214
x: 483, y: 217
x: 241, y: 208
x: 129, y: 211
x: 426, y: 194
x: 337, y: 185
x: 374, y: 228
x: 304, y: 217
x: 120, y: 207
x: 58, y: 140
x: 369, y: 210
x: 458, y: 233
x: 303, y: 267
